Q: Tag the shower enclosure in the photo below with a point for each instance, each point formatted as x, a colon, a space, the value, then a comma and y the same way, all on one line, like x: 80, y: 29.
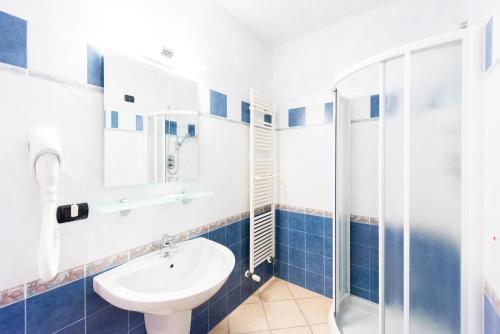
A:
x: 426, y: 135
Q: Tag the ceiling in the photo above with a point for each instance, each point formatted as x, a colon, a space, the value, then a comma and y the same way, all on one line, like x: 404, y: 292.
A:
x: 279, y: 21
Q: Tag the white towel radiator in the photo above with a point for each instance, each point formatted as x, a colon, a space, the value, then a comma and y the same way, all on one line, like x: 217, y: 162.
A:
x: 262, y: 182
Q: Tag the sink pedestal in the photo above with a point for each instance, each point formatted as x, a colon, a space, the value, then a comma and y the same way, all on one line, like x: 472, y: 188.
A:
x: 175, y: 323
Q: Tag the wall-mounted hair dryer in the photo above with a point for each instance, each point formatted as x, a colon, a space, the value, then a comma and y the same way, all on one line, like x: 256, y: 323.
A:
x: 45, y: 156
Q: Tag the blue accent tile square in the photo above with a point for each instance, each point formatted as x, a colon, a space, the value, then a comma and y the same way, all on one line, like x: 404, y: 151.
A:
x: 297, y: 257
x: 374, y: 236
x: 360, y: 234
x: 297, y: 276
x: 139, y: 123
x: 328, y: 221
x: 374, y: 259
x: 297, y: 239
x: 360, y: 255
x: 315, y: 225
x: 12, y: 318
x: 365, y: 294
x: 95, y: 67
x: 374, y: 105
x: 328, y: 267
x: 114, y: 119
x: 233, y: 299
x: 192, y: 130
x: 170, y: 127
x: 233, y: 234
x: 135, y: 319
x: 315, y: 264
x: 329, y: 112
x: 296, y: 221
x: 297, y: 117
x: 218, y: 235
x: 315, y: 282
x: 112, y: 320
x: 199, y: 324
x: 328, y: 247
x: 245, y: 112
x: 55, y: 309
x: 329, y: 287
x: 315, y: 244
x: 76, y: 328
x: 281, y: 270
x: 268, y: 118
x: 282, y: 218
x: 488, y: 44
x: 217, y: 312
x: 282, y: 253
x: 360, y: 277
x: 13, y: 40
x: 218, y: 104
x: 93, y: 302
x: 282, y: 236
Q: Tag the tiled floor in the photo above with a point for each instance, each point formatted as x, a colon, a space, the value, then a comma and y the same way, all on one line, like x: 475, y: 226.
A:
x: 279, y: 307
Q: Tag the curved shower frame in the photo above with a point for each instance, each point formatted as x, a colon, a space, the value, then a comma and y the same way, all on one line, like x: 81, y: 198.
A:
x: 471, y: 185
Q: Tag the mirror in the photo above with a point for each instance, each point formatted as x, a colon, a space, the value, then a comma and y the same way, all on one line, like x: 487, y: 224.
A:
x: 151, y: 128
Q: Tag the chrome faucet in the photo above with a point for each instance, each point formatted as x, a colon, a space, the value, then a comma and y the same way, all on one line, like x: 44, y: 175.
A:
x: 168, y: 245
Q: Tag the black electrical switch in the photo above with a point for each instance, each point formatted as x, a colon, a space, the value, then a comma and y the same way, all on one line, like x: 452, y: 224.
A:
x: 69, y: 213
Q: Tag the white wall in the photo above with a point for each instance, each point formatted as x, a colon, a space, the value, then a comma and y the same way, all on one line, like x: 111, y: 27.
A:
x: 198, y: 30
x: 305, y: 68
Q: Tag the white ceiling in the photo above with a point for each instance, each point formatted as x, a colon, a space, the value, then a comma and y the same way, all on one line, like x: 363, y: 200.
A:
x: 279, y: 21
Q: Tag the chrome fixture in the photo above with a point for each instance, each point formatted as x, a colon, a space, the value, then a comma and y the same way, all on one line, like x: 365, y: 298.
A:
x: 168, y: 245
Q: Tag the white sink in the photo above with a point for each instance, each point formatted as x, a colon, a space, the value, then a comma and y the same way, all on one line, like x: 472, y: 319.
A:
x: 166, y: 289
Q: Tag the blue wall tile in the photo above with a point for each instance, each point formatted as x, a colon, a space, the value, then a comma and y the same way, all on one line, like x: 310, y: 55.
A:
x: 233, y: 299
x: 374, y: 236
x: 329, y: 112
x: 218, y: 104
x: 55, y: 309
x: 360, y: 234
x: 296, y: 221
x: 315, y: 282
x: 246, y: 289
x: 297, y: 257
x: 488, y: 45
x: 281, y: 270
x: 373, y: 281
x: 360, y: 277
x: 282, y: 236
x: 114, y: 119
x: 374, y: 105
x: 297, y: 239
x: 111, y: 320
x: 95, y: 67
x: 76, y: 328
x: 329, y: 287
x: 297, y: 117
x: 360, y: 255
x: 245, y: 228
x: 13, y: 40
x: 233, y: 233
x: 135, y: 319
x: 365, y: 294
x: 329, y: 247
x: 328, y: 267
x: 236, y: 249
x: 315, y: 225
x: 297, y: 276
x: 373, y: 259
x: 235, y: 277
x: 328, y: 227
x: 282, y: 218
x: 218, y: 235
x: 217, y: 311
x: 315, y: 244
x: 374, y: 297
x: 192, y: 130
x: 282, y: 253
x: 141, y: 329
x: 12, y: 318
x: 245, y: 112
x: 315, y: 264
x: 199, y: 324
x: 139, y: 123
x: 93, y: 302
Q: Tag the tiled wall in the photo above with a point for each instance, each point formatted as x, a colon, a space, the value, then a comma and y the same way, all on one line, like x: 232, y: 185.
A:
x: 304, y: 248
x: 491, y: 310
x: 68, y: 304
x: 364, y: 257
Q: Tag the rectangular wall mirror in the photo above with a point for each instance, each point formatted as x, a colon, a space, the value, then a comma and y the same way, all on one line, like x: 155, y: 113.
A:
x: 151, y: 130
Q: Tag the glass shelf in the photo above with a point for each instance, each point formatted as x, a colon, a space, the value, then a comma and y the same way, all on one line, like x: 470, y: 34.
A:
x: 125, y: 206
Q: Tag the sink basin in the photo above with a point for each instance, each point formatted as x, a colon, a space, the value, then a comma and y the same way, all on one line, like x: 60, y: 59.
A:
x: 166, y: 289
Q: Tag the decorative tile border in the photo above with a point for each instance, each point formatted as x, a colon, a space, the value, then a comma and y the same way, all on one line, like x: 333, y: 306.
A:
x: 492, y: 297
x: 106, y: 263
x: 364, y: 220
x: 12, y: 295
x: 64, y: 277
x: 298, y: 209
